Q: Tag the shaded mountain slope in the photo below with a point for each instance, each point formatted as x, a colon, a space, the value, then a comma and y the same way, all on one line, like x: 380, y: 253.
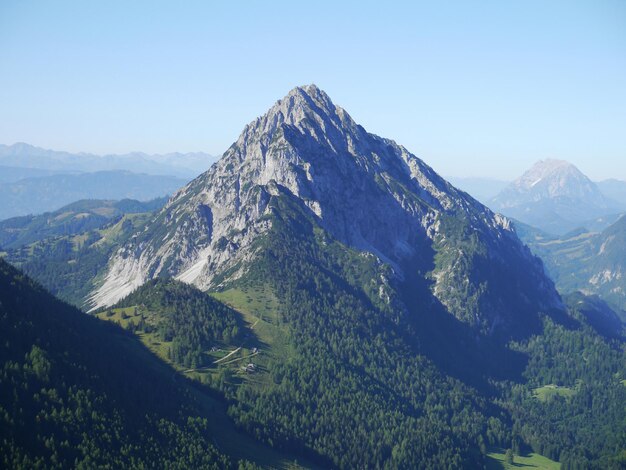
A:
x: 75, y: 393
x: 596, y: 313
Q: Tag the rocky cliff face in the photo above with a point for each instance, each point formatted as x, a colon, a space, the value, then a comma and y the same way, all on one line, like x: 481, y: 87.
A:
x: 366, y: 191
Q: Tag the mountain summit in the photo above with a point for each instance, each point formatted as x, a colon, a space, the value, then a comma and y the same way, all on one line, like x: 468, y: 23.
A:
x: 308, y: 156
x: 553, y: 179
x: 554, y: 196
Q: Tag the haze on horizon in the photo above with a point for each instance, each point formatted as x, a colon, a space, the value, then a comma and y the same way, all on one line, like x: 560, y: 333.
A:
x: 473, y: 88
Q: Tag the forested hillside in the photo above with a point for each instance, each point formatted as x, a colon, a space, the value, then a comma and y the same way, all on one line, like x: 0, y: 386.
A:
x: 187, y: 321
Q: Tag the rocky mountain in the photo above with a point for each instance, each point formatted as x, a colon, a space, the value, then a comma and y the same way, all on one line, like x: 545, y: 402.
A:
x: 25, y: 156
x: 48, y: 193
x: 553, y: 196
x: 368, y: 192
x: 591, y: 262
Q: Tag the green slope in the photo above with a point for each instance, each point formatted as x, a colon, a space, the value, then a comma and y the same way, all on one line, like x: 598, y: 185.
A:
x: 78, y: 217
x: 187, y: 322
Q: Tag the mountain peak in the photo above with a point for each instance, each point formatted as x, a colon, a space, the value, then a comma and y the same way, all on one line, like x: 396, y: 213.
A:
x: 308, y: 97
x: 306, y: 163
x: 550, y: 164
x: 310, y: 93
x: 553, y: 195
x: 311, y: 90
x: 303, y: 106
x: 300, y: 103
x: 549, y: 169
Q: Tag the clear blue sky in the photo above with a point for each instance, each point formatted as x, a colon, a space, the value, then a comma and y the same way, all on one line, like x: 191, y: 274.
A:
x: 473, y: 88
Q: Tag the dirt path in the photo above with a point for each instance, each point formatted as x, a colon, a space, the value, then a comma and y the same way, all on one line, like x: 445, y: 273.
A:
x: 227, y: 356
x: 241, y: 358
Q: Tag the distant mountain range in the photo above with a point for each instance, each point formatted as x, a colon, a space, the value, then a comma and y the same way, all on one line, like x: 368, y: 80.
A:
x: 614, y: 189
x: 556, y: 197
x: 36, y: 195
x: 35, y: 180
x: 10, y: 174
x: 21, y: 155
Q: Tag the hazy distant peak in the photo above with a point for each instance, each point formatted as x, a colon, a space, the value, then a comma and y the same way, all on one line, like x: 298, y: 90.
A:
x: 22, y: 147
x: 554, y: 196
x: 553, y: 169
